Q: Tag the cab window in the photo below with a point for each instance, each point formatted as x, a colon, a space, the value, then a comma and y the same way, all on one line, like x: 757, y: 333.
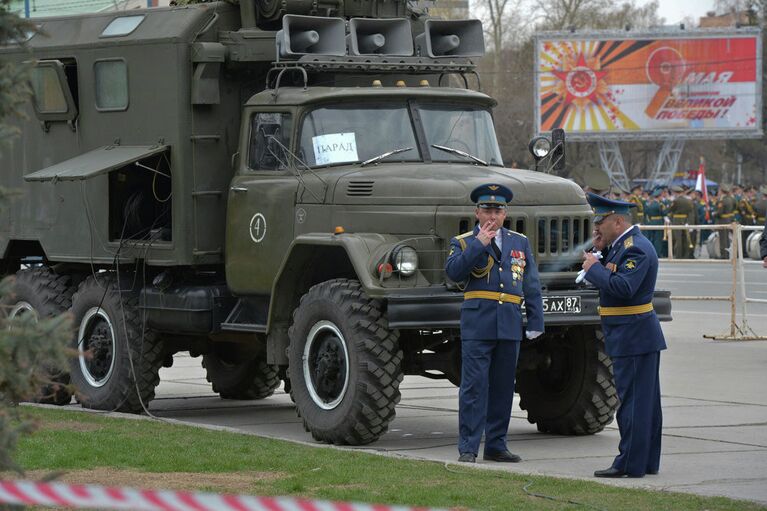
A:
x: 269, y: 141
x: 337, y: 135
x: 465, y: 128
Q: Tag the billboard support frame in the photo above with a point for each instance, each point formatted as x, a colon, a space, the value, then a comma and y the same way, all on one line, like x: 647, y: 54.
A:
x: 612, y: 162
x: 668, y: 160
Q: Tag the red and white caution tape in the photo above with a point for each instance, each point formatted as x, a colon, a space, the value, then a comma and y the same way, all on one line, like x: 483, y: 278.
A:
x: 103, y: 497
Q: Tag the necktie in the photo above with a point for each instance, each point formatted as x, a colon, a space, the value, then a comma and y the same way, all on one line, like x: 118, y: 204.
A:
x: 496, y: 249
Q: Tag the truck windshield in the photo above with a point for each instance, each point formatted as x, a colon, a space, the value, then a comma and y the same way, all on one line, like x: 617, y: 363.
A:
x: 338, y: 135
x: 469, y: 130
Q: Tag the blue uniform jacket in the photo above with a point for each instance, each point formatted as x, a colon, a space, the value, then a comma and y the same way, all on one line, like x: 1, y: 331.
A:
x: 515, y: 273
x: 628, y: 279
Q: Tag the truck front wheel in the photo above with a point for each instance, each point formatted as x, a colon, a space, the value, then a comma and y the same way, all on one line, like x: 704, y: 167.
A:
x: 573, y: 393
x: 116, y: 367
x: 345, y: 364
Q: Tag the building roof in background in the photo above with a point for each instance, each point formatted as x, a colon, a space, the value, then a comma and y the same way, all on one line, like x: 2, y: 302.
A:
x: 44, y: 8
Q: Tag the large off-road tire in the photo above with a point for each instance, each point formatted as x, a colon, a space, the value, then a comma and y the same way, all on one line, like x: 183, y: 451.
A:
x: 345, y: 365
x: 116, y: 368
x: 575, y: 393
x: 238, y: 372
x: 42, y: 292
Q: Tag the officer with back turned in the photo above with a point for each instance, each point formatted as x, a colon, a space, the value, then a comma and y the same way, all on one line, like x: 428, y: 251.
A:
x: 637, y: 213
x: 654, y: 214
x: 680, y: 213
x: 499, y: 270
x: 726, y: 207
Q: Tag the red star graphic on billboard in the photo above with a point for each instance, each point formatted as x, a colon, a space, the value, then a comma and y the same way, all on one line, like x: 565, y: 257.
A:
x: 581, y: 81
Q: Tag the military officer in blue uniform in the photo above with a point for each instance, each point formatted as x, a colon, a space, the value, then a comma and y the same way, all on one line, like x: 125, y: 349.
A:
x: 633, y: 336
x: 499, y: 270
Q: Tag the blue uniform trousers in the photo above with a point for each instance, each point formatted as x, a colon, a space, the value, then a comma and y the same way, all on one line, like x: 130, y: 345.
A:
x: 487, y: 391
x: 639, y: 416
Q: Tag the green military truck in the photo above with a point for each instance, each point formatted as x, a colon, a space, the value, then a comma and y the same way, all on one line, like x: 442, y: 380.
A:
x: 273, y: 187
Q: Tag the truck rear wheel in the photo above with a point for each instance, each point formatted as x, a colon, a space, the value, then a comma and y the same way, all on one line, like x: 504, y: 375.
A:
x: 45, y: 294
x: 115, y: 368
x: 345, y: 364
x: 574, y: 394
x: 236, y: 373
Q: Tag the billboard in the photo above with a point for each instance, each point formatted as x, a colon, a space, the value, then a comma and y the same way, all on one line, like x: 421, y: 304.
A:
x: 610, y: 85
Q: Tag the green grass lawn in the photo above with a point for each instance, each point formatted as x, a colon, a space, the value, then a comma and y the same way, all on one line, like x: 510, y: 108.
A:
x: 89, y: 448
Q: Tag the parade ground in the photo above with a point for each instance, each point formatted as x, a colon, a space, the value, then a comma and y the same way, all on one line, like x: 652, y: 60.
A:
x: 714, y: 404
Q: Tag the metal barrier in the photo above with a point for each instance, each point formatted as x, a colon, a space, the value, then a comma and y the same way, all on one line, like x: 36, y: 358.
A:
x: 738, y: 332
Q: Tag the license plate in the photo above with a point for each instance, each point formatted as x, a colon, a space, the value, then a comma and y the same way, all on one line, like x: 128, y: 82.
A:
x: 561, y: 304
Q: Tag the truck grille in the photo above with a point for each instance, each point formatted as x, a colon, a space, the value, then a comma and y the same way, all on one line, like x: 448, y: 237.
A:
x: 559, y: 235
x: 359, y: 189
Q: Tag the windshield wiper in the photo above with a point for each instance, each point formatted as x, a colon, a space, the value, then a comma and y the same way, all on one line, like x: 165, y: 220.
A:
x: 460, y: 153
x: 381, y: 156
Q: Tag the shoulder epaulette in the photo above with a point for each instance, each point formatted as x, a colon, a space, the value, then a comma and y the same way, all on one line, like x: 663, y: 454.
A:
x: 462, y: 239
x: 628, y: 242
x: 518, y: 233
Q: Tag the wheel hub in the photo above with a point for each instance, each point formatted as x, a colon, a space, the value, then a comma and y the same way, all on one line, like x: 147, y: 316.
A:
x: 96, y: 347
x: 325, y: 365
x: 329, y: 368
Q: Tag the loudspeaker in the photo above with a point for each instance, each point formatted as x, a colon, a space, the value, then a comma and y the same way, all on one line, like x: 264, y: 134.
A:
x: 444, y: 38
x: 380, y: 37
x: 304, y: 35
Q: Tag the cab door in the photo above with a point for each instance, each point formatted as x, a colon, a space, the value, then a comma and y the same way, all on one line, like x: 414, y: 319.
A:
x: 262, y: 196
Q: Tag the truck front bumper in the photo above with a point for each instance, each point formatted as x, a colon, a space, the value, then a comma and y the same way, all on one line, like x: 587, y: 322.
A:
x: 437, y: 308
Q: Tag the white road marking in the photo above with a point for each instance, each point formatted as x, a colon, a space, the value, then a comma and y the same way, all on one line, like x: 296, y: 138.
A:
x: 707, y: 282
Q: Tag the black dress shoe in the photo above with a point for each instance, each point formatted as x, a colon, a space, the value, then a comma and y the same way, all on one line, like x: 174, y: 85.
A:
x: 503, y: 457
x: 467, y: 457
x: 609, y: 472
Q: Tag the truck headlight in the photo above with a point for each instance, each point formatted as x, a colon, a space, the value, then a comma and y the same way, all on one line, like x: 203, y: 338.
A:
x: 540, y: 147
x: 405, y: 260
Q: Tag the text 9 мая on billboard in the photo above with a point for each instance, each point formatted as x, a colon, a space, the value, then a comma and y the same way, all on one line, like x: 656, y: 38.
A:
x: 702, y: 86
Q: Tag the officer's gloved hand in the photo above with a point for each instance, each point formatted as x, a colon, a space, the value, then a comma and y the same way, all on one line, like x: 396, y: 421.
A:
x: 532, y: 334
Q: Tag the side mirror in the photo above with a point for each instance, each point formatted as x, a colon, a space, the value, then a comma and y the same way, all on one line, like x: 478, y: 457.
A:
x: 558, y: 149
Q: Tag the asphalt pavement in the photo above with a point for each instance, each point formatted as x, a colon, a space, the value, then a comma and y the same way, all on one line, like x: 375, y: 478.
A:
x: 714, y: 404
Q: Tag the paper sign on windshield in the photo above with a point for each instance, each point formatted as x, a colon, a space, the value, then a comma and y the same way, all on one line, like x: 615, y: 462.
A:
x: 335, y: 148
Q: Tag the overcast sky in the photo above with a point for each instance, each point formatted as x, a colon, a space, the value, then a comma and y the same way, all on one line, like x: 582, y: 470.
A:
x: 676, y: 10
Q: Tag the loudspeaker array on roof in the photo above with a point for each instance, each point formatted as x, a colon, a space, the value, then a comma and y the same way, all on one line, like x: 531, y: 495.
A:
x: 314, y: 35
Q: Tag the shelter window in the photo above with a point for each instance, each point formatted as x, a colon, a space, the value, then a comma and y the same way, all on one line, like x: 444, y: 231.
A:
x: 49, y: 91
x: 269, y: 141
x: 111, y: 84
x: 123, y: 25
x: 54, y: 83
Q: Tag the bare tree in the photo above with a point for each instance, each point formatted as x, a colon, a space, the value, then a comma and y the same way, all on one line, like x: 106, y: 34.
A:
x: 594, y: 14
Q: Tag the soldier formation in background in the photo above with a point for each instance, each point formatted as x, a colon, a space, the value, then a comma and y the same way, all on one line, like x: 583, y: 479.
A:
x: 678, y: 205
